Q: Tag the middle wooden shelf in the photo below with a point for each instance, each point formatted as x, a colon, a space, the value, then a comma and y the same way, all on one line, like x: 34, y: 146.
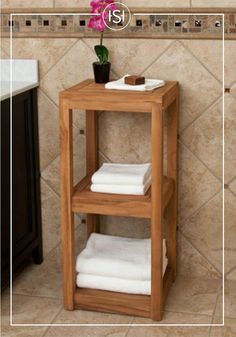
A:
x: 86, y: 201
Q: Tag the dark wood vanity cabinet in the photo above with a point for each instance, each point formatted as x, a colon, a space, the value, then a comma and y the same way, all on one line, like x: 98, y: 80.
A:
x: 26, y: 208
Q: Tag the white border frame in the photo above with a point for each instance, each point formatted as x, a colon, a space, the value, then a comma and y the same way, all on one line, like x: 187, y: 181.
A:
x: 223, y: 150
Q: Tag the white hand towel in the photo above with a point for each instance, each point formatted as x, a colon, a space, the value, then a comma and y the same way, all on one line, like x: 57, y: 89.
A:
x: 118, y: 257
x: 149, y: 85
x: 122, y: 189
x: 142, y: 287
x: 122, y: 174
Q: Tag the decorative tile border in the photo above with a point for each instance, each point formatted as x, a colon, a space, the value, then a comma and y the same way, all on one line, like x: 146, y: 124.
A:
x: 199, y: 26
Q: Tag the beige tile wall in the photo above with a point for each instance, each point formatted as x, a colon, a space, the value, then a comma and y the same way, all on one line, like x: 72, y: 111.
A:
x: 26, y: 3
x: 214, y: 3
x: 197, y: 65
x: 131, y: 3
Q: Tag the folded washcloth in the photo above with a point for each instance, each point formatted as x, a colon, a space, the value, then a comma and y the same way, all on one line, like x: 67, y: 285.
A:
x: 122, y: 174
x: 117, y: 257
x: 149, y: 84
x: 142, y: 287
x: 122, y: 189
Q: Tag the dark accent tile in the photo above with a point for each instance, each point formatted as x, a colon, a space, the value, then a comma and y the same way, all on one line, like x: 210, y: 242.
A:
x: 28, y: 22
x: 198, y: 23
x: 64, y: 22
x: 178, y: 23
x: 82, y: 23
x: 218, y: 23
x: 46, y: 22
x: 158, y: 23
x: 139, y: 23
x: 227, y: 90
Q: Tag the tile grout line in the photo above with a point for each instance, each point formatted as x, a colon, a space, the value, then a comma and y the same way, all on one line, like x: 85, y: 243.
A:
x: 202, y: 113
x: 195, y: 247
x: 56, y: 106
x: 38, y: 296
x: 203, y: 205
x: 231, y: 191
x: 230, y: 271
x: 213, y: 314
x: 231, y: 180
x: 129, y: 327
x: 57, y: 61
x: 105, y: 156
x: 158, y: 57
x: 50, y: 188
x: 232, y: 96
x: 199, y: 61
x: 202, y: 162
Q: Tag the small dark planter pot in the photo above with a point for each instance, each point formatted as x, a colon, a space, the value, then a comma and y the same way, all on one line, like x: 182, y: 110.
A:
x: 101, y: 72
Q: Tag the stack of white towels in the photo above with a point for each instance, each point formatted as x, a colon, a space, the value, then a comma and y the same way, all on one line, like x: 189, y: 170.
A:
x: 116, y: 264
x: 122, y: 179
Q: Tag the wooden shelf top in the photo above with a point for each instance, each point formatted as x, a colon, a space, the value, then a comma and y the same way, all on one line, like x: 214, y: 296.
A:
x: 90, y: 95
x: 86, y: 201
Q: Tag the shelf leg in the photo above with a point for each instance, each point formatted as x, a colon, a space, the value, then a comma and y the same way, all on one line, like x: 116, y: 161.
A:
x: 67, y: 218
x: 171, y: 234
x: 91, y: 160
x: 157, y: 216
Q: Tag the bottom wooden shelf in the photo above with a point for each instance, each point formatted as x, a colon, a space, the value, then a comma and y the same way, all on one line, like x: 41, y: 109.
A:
x: 120, y: 303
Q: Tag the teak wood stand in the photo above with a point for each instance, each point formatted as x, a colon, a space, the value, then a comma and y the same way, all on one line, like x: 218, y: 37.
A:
x: 161, y: 196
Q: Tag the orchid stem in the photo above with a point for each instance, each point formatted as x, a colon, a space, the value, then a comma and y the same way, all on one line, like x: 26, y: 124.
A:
x: 101, y: 38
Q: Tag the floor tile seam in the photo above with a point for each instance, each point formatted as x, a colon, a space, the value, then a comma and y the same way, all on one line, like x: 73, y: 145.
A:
x: 129, y: 327
x: 185, y: 313
x: 37, y: 296
x: 22, y: 293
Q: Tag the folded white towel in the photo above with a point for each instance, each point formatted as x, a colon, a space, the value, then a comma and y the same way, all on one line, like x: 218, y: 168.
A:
x: 122, y: 189
x: 149, y: 84
x: 142, y: 287
x: 122, y: 174
x: 118, y: 257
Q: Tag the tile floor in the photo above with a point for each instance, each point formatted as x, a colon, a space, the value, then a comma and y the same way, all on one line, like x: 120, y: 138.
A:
x: 37, y: 298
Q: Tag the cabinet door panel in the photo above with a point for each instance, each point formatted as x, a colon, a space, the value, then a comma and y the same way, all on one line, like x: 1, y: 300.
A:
x: 23, y: 196
x: 5, y: 183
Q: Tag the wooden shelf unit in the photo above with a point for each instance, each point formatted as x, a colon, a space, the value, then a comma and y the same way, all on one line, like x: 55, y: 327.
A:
x: 161, y: 196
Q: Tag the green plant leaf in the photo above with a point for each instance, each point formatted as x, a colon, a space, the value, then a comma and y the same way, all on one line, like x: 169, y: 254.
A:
x: 102, y: 53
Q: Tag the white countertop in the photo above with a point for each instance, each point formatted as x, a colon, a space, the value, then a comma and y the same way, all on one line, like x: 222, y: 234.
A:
x: 17, y: 88
x: 24, y: 77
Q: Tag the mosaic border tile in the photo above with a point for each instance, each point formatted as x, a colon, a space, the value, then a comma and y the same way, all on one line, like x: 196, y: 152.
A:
x: 198, y: 26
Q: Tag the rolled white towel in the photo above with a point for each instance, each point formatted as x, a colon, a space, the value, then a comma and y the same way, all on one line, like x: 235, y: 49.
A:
x: 118, y: 257
x: 122, y: 174
x: 121, y: 189
x: 142, y: 287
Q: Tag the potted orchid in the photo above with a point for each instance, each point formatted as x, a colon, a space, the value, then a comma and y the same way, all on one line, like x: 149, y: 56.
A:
x: 102, y: 67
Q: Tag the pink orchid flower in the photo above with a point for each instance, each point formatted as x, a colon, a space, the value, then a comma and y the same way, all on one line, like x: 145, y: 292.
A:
x: 97, y: 7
